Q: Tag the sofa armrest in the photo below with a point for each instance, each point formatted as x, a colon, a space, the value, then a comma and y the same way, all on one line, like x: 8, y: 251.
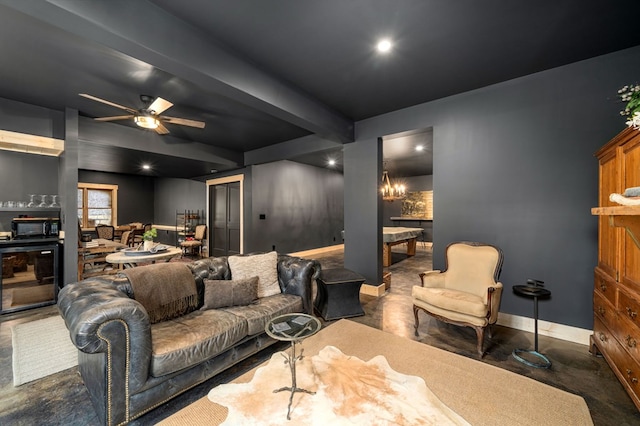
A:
x: 296, y: 276
x: 102, y: 318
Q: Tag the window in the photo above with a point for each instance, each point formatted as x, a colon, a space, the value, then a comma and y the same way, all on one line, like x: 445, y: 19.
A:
x: 97, y: 204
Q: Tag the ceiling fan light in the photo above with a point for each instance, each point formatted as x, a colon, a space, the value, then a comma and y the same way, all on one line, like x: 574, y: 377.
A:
x: 146, y: 122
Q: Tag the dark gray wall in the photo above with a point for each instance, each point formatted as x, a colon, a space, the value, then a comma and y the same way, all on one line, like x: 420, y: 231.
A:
x: 173, y: 196
x: 363, y: 209
x: 303, y: 207
x: 178, y: 195
x: 24, y: 174
x: 514, y: 166
x: 136, y: 194
x: 68, y: 190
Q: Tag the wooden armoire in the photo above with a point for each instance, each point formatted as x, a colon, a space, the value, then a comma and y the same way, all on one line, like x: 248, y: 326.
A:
x: 616, y: 295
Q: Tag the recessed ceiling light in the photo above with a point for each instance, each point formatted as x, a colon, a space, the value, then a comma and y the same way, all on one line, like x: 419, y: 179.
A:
x: 419, y: 148
x: 332, y: 162
x: 146, y: 167
x: 384, y: 46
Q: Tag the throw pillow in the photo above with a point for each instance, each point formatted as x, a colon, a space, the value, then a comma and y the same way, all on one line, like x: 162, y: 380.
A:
x: 224, y: 293
x: 265, y: 266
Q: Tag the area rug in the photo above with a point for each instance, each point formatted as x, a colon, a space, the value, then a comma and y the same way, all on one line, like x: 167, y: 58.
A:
x: 346, y: 391
x: 480, y: 393
x: 41, y: 348
x: 30, y: 295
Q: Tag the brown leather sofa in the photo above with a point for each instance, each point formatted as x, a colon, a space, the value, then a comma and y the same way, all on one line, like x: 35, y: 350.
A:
x: 121, y: 370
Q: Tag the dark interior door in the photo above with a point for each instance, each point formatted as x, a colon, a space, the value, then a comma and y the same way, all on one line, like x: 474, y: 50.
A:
x: 224, y: 219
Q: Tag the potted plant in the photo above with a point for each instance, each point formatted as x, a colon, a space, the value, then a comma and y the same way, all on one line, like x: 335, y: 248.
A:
x: 148, y: 237
x: 631, y: 95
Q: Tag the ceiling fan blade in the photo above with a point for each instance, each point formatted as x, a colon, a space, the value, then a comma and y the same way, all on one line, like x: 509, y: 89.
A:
x: 117, y: 117
x: 159, y: 105
x: 161, y: 130
x: 183, y: 121
x: 113, y: 104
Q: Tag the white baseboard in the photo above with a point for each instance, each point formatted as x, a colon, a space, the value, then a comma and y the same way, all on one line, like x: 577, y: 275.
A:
x: 546, y: 328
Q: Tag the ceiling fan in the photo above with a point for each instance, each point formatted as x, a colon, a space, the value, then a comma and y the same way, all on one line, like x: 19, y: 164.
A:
x: 149, y: 117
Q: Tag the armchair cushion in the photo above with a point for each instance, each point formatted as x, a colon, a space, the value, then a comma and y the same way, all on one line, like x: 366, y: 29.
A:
x: 452, y: 300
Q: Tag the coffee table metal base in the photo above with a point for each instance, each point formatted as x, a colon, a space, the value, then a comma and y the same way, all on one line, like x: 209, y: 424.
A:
x: 291, y: 360
x: 292, y: 328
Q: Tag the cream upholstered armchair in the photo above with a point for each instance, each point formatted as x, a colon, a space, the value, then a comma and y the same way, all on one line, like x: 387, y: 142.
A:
x: 467, y: 292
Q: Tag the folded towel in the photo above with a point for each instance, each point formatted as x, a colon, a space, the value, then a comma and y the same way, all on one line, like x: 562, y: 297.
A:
x: 632, y: 192
x: 625, y: 201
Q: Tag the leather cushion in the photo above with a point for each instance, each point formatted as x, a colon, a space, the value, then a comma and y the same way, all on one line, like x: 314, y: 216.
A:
x: 258, y: 314
x: 223, y: 293
x: 265, y: 266
x: 186, y: 341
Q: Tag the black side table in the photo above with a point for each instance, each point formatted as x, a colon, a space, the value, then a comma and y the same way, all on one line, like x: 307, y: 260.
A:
x: 339, y: 294
x: 535, y: 290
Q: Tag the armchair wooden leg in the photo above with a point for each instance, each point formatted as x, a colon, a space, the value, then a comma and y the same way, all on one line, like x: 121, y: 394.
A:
x: 480, y: 334
x: 416, y: 323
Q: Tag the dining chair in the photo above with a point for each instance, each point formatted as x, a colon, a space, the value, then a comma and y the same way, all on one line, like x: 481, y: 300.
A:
x: 105, y: 232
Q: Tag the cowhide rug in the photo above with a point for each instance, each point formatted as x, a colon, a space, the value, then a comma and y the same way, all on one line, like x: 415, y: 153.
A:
x: 348, y: 390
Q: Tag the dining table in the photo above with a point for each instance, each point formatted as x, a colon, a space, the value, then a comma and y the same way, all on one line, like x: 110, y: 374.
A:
x: 393, y: 235
x: 131, y: 257
x: 92, y: 253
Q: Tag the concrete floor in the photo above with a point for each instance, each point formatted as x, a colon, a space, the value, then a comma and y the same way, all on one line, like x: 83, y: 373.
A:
x: 61, y: 399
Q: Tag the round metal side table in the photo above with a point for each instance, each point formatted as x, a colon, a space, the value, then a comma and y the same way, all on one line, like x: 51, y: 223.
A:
x: 293, y: 328
x: 535, y: 290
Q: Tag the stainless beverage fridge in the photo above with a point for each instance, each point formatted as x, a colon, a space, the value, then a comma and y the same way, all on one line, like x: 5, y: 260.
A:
x: 30, y: 274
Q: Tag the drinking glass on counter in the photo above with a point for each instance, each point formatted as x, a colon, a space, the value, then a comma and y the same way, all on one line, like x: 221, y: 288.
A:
x: 43, y: 201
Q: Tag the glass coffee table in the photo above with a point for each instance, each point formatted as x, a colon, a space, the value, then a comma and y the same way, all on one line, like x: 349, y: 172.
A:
x: 292, y: 328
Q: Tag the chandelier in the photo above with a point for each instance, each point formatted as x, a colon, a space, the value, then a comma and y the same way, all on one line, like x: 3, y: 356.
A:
x: 391, y: 192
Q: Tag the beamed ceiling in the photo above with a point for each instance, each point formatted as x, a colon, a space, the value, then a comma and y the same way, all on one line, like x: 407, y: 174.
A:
x: 260, y: 73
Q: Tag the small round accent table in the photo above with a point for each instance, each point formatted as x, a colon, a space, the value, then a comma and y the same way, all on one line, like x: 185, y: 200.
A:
x: 292, y: 328
x: 535, y: 291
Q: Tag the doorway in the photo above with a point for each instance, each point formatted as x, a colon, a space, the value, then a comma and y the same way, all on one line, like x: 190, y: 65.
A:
x: 225, y: 215
x: 407, y: 158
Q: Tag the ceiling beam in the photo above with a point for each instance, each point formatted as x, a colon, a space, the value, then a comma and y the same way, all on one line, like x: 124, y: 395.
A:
x: 289, y: 149
x: 110, y: 134
x: 142, y: 30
